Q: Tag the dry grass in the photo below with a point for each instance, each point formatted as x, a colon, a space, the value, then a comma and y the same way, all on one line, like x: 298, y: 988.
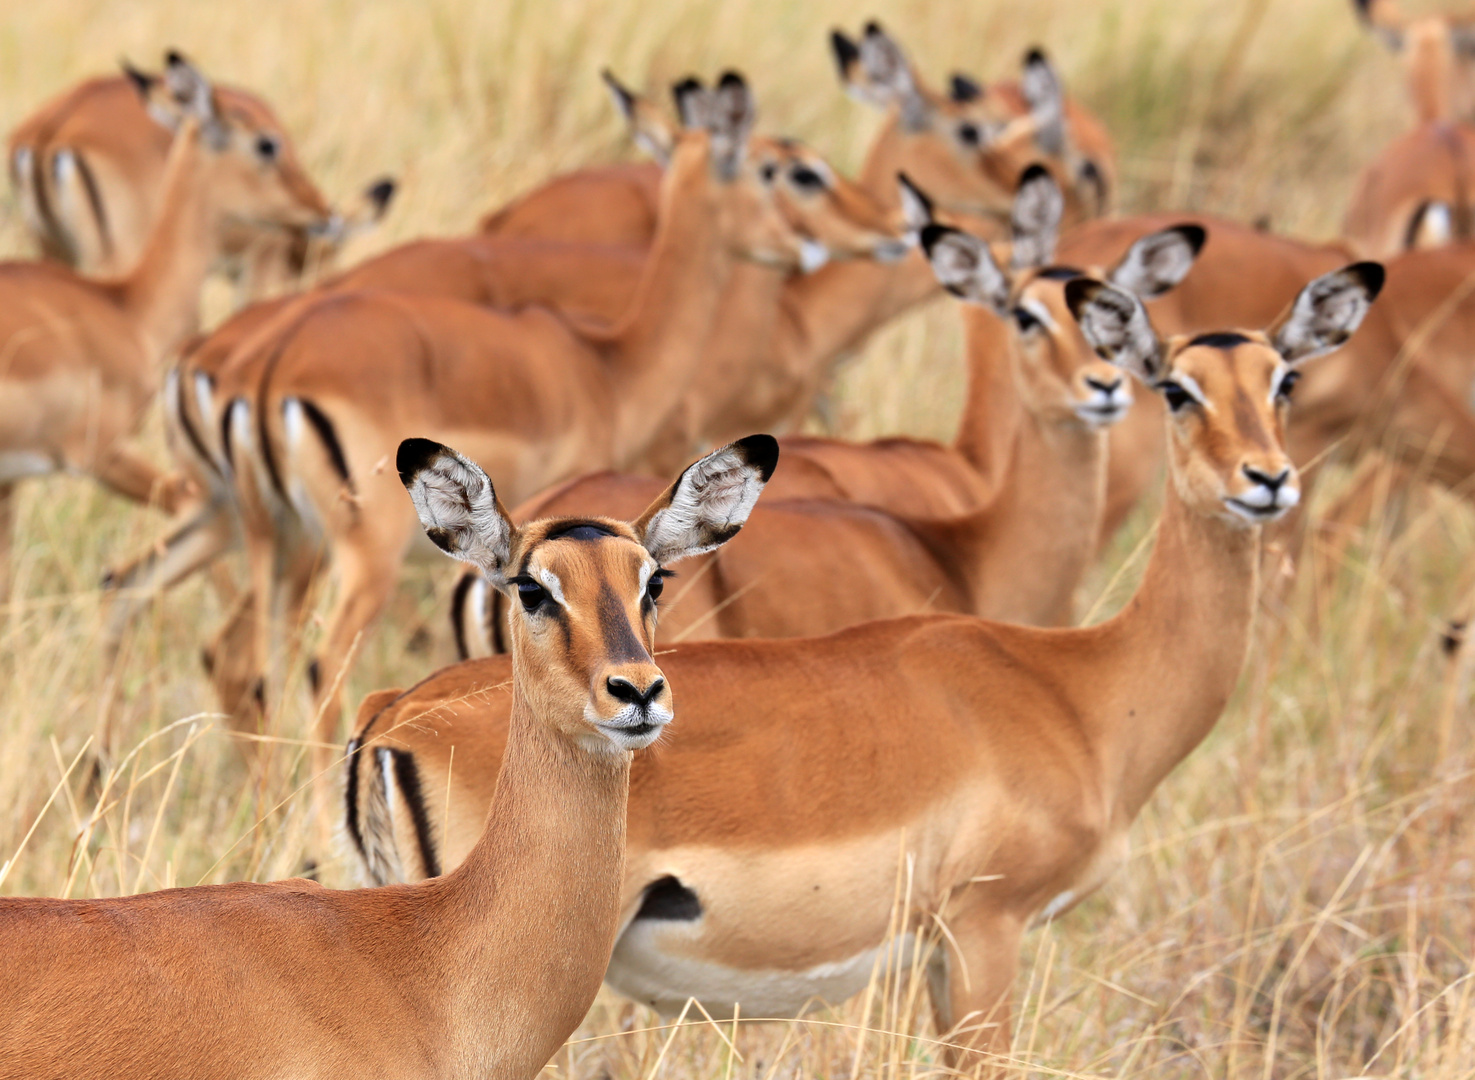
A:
x: 1300, y: 901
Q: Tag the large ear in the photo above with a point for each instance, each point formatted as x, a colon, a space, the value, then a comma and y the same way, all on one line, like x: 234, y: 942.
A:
x: 1035, y: 218
x: 1158, y: 261
x: 457, y: 506
x: 1384, y: 19
x: 964, y: 88
x: 1115, y: 324
x: 650, y: 130
x: 916, y: 207
x: 889, y: 77
x: 142, y: 81
x: 1326, y: 312
x: 965, y: 267
x: 693, y: 104
x: 733, y: 113
x: 1046, y: 99
x: 710, y: 500
x: 188, y: 87
x: 847, y: 60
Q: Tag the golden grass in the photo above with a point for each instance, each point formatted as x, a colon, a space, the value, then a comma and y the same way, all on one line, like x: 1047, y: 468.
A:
x: 1300, y: 901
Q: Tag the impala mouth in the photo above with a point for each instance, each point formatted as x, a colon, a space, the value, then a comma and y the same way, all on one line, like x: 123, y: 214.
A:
x: 1267, y: 505
x: 634, y: 728
x: 1102, y: 413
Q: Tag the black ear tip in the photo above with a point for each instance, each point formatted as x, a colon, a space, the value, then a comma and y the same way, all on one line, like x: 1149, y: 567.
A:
x: 934, y: 234
x: 1363, y: 8
x: 760, y: 451
x: 846, y: 51
x: 1194, y: 235
x: 381, y: 192
x: 1036, y: 55
x: 1078, y: 293
x: 1372, y: 275
x: 964, y: 89
x: 413, y: 456
x: 174, y: 58
x: 873, y: 29
x: 732, y: 80
x: 1033, y: 173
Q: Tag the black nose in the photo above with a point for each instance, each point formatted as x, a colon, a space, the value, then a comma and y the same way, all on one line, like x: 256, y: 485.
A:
x: 1102, y: 385
x: 1272, y: 482
x: 622, y: 689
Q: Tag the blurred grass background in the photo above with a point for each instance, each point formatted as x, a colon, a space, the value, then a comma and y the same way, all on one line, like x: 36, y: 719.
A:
x: 1300, y: 900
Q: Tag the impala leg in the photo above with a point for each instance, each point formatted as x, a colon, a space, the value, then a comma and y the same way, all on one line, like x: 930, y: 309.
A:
x: 970, y: 984
x: 366, y: 580
x: 128, y: 472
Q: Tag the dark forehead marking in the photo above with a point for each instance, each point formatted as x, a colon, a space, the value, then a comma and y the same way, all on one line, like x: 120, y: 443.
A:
x: 1060, y: 273
x: 579, y: 530
x: 1220, y: 339
x: 620, y: 642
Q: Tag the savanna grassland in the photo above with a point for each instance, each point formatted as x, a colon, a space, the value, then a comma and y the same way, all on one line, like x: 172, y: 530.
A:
x: 1301, y: 898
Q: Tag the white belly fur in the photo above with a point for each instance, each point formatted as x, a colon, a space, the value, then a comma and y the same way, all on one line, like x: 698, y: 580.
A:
x: 643, y: 970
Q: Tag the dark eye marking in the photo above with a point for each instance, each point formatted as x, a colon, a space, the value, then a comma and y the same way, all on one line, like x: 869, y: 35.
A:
x: 532, y: 595
x: 657, y: 584
x: 1026, y: 321
x: 968, y: 134
x: 768, y: 170
x: 802, y: 176
x: 1175, y: 395
x: 267, y: 147
x: 1288, y: 383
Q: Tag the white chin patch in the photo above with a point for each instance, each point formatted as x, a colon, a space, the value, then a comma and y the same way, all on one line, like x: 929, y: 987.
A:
x: 1259, y: 505
x: 812, y: 255
x: 630, y: 728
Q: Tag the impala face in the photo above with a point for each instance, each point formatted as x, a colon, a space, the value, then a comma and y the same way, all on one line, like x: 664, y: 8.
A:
x: 818, y: 203
x: 585, y: 616
x: 1227, y: 392
x: 250, y: 165
x: 584, y: 591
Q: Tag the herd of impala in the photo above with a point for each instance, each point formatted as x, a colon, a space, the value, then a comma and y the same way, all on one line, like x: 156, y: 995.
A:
x: 883, y: 665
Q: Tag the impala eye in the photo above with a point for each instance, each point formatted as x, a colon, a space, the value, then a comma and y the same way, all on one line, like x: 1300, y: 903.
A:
x: 1175, y: 395
x: 968, y: 134
x: 802, y: 176
x: 768, y: 170
x: 656, y: 585
x: 267, y: 147
x: 1288, y: 383
x: 531, y: 594
x: 1026, y: 322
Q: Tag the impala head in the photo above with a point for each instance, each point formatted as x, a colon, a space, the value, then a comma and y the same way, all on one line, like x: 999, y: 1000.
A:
x: 1437, y: 51
x: 966, y: 146
x: 1060, y: 376
x: 1227, y: 392
x: 821, y: 205
x: 714, y: 145
x: 247, y: 163
x: 585, y: 591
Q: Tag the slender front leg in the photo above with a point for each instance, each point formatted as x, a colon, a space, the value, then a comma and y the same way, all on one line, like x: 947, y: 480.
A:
x: 970, y: 988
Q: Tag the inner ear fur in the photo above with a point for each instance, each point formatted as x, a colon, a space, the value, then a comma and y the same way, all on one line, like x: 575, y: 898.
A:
x: 1326, y: 312
x: 1035, y: 218
x: 1115, y: 324
x: 457, y: 506
x: 965, y: 267
x: 709, y: 502
x: 1158, y: 261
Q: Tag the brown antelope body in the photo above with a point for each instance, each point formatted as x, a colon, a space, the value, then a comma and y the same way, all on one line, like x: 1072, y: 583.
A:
x: 89, y: 173
x: 84, y: 357
x: 529, y: 393
x: 483, y: 972
x: 1017, y: 557
x: 1003, y: 764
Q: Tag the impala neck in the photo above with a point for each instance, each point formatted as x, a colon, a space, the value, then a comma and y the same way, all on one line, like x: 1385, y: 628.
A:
x: 838, y: 307
x: 655, y: 349
x: 523, y: 929
x: 1022, y: 554
x: 1174, y: 654
x: 162, y: 292
x: 991, y: 411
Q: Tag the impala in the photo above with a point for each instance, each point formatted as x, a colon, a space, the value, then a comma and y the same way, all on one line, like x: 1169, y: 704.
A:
x: 531, y: 393
x: 83, y: 356
x: 484, y: 972
x: 1017, y: 557
x: 1437, y: 50
x: 89, y: 170
x: 1005, y: 764
x: 1416, y: 193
